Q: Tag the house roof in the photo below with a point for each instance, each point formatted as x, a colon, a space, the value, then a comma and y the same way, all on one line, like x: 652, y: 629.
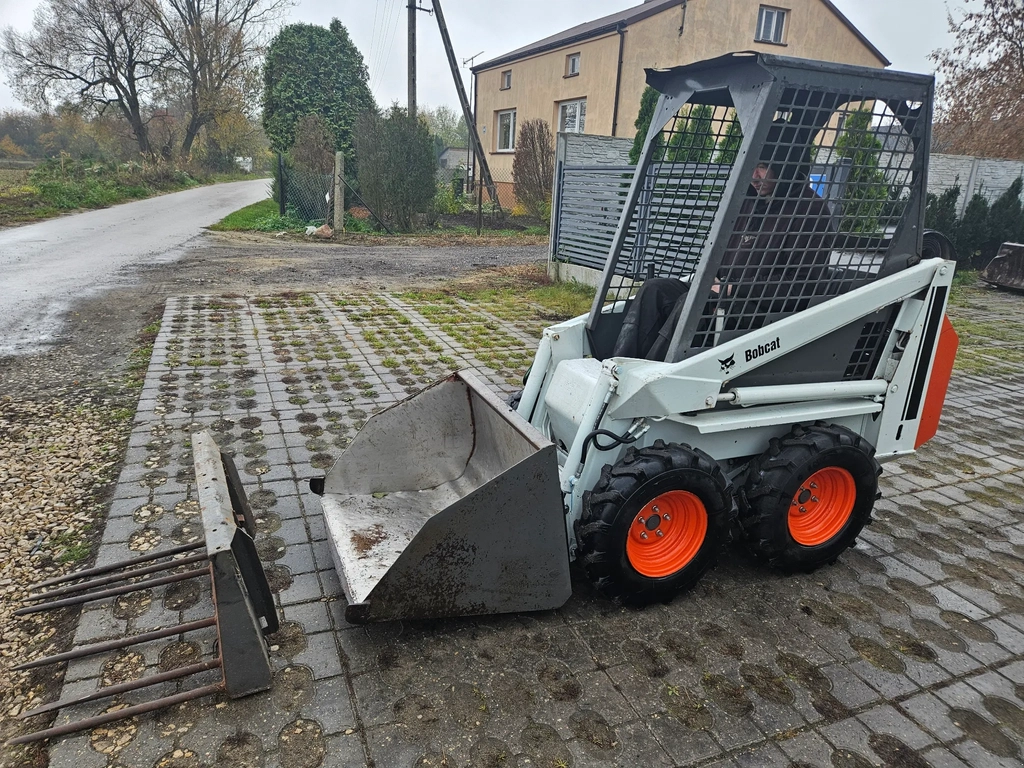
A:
x: 611, y: 23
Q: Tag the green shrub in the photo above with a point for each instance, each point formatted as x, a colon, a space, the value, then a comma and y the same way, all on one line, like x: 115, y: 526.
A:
x: 1005, y: 220
x: 67, y: 184
x: 648, y: 104
x: 445, y: 200
x: 972, y: 233
x: 867, y: 189
x: 396, y: 166
x: 940, y: 212
x: 359, y: 226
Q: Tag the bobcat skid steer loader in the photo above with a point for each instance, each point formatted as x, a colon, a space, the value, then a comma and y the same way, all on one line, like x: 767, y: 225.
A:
x: 782, y: 201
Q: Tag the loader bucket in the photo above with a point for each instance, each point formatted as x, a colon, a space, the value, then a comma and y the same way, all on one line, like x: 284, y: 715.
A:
x: 1007, y: 268
x: 447, y: 504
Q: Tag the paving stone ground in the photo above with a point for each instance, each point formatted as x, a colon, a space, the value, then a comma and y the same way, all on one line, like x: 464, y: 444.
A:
x: 908, y: 652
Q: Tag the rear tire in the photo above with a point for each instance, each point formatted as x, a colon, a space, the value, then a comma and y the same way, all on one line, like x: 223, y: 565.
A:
x: 807, y: 498
x: 654, y: 523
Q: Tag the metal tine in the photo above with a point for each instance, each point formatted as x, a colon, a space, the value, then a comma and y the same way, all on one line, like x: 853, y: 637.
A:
x: 124, y: 590
x: 101, y: 569
x: 118, y: 714
x: 124, y: 642
x: 134, y: 685
x: 82, y: 586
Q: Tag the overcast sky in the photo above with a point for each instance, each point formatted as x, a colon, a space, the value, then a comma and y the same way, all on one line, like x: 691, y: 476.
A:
x: 906, y: 31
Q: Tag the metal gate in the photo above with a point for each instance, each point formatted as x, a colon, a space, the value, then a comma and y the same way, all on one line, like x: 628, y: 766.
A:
x: 588, y: 204
x: 589, y: 200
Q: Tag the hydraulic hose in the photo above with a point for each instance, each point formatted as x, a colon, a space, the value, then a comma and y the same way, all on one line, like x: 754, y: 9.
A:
x: 625, y: 439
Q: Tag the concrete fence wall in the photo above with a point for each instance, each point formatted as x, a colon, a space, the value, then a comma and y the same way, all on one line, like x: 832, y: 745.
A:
x: 989, y: 176
x: 584, y: 149
x: 986, y: 175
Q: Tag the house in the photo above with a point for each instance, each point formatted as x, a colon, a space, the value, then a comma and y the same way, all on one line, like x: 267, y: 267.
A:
x: 452, y: 158
x: 590, y: 78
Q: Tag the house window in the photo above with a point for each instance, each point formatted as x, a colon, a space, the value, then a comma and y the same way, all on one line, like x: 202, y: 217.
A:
x: 506, y: 80
x: 771, y: 25
x: 507, y: 131
x: 572, y: 65
x: 572, y: 116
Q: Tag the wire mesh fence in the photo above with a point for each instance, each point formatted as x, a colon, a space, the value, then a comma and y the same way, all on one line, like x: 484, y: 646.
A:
x: 310, y: 195
x: 468, y: 201
x: 462, y: 202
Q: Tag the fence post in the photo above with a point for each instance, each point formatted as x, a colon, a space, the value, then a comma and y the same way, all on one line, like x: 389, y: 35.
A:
x: 339, y: 192
x: 479, y: 209
x: 280, y: 185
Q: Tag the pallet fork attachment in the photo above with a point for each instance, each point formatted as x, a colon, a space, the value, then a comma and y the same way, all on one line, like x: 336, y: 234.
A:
x: 243, y: 605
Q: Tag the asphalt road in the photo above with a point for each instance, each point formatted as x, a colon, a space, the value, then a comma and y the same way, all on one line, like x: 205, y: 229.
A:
x: 46, y: 267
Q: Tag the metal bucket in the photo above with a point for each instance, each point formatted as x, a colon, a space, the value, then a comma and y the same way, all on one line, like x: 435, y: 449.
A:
x: 1007, y: 268
x: 447, y: 504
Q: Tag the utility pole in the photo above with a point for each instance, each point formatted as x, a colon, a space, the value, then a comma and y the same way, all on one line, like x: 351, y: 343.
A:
x: 474, y: 136
x: 412, y: 58
x: 469, y: 149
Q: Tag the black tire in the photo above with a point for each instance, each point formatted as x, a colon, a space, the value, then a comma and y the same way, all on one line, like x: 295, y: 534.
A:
x: 775, y: 485
x: 513, y: 400
x: 613, y: 506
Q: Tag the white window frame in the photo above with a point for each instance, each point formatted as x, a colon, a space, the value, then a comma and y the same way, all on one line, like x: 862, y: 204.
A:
x: 569, y: 60
x: 506, y: 80
x: 500, y: 135
x: 580, y: 122
x: 771, y: 25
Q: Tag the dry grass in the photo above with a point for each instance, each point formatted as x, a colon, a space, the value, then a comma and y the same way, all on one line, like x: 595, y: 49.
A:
x: 10, y: 177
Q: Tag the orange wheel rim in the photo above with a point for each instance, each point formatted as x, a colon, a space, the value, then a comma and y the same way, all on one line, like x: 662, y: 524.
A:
x: 667, y: 534
x: 822, y: 506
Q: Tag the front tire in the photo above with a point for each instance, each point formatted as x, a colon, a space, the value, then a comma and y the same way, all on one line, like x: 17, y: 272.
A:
x: 654, y: 523
x: 807, y: 498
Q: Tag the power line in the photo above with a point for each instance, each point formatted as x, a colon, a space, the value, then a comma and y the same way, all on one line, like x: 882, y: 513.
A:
x: 380, y: 36
x: 394, y: 34
x: 373, y: 35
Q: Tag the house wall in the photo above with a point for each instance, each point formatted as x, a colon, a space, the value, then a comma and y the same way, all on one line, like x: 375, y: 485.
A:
x: 712, y: 28
x: 539, y: 85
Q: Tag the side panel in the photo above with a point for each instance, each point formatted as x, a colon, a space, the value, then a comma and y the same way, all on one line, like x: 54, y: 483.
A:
x: 938, y: 384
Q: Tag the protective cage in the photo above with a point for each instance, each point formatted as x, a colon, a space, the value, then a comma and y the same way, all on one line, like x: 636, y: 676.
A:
x: 847, y: 152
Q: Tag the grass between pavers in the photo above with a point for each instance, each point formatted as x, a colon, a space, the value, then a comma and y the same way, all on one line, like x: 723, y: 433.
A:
x: 523, y: 297
x: 993, y: 346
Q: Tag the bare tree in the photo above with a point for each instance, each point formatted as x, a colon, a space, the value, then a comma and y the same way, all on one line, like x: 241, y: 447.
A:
x: 533, y: 167
x: 982, y: 81
x: 213, y: 49
x: 447, y: 124
x: 102, y: 54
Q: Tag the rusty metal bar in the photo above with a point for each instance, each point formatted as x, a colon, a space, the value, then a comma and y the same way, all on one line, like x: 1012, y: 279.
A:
x: 101, y: 569
x: 119, y: 714
x: 82, y: 586
x: 112, y: 592
x: 133, y: 685
x: 124, y: 642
